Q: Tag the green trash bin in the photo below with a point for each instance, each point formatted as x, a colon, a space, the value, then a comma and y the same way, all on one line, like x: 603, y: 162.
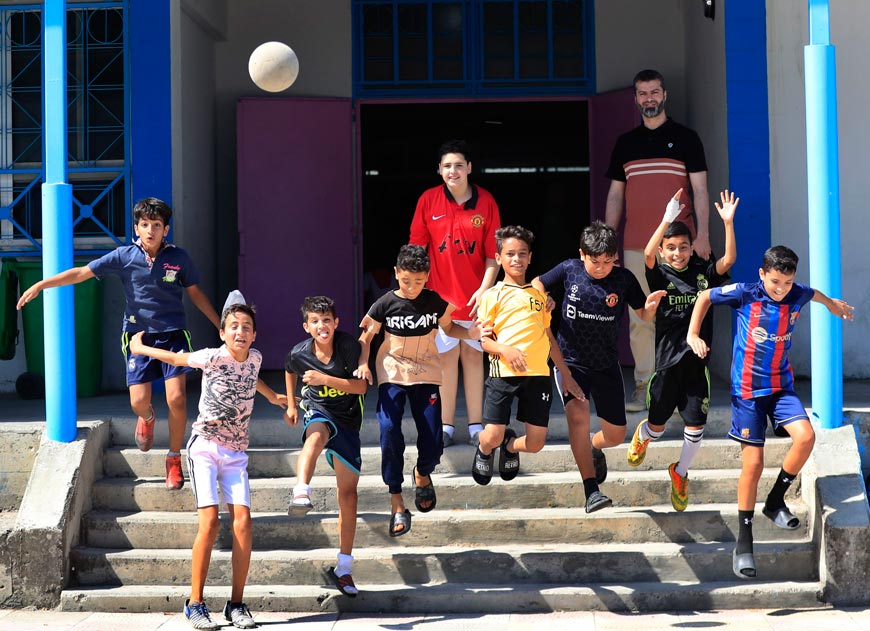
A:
x: 88, y: 330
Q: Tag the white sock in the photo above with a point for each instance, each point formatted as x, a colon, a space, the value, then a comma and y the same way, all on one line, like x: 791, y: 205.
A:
x: 172, y: 453
x: 343, y: 565
x: 448, y: 429
x: 647, y: 433
x: 691, y: 447
x: 474, y: 429
x: 302, y: 489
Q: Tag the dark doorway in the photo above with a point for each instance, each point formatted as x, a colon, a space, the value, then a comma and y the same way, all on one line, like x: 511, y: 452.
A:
x: 532, y: 156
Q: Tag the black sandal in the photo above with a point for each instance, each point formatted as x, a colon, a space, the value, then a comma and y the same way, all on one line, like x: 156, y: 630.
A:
x: 343, y: 583
x: 425, y: 493
x: 400, y: 519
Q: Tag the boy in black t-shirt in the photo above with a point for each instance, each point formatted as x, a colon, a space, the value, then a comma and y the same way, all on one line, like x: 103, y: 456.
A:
x: 409, y: 366
x: 332, y: 400
x: 681, y: 380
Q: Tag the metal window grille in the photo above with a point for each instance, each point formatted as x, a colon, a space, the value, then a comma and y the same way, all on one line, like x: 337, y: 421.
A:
x: 473, y: 47
x: 97, y: 118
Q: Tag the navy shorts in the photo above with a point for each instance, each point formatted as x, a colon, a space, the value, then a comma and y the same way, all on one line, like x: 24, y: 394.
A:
x: 532, y: 393
x: 749, y: 416
x: 343, y: 443
x: 144, y: 369
x: 684, y: 386
x: 602, y: 387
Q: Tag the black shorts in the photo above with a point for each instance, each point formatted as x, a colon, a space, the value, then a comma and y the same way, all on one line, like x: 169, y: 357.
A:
x: 602, y: 387
x: 684, y: 387
x: 533, y: 395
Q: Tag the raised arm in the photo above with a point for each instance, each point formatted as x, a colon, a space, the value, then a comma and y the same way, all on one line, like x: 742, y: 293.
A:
x: 837, y: 307
x: 672, y: 211
x: 693, y: 339
x: 615, y: 204
x: 69, y: 277
x: 701, y: 201
x: 726, y: 212
x: 167, y: 357
x: 198, y: 297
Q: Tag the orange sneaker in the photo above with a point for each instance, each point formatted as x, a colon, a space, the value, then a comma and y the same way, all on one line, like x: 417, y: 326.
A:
x: 145, y: 431
x: 637, y: 447
x: 174, y: 477
x: 679, y: 489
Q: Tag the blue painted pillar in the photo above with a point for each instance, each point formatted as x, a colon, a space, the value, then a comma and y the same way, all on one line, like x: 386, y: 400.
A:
x: 57, y: 243
x: 823, y: 194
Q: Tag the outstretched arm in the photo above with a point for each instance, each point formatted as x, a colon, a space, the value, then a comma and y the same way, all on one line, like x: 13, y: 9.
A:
x: 167, y: 357
x: 69, y: 277
x: 726, y: 212
x: 672, y: 211
x: 198, y: 297
x: 693, y: 339
x: 837, y: 307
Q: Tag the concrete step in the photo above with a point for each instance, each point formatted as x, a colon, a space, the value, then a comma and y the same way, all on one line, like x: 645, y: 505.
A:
x: 268, y: 428
x: 505, y: 564
x: 703, y: 523
x: 455, y: 491
x: 277, y: 462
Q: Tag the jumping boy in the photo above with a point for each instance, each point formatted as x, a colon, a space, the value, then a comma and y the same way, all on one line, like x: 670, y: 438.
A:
x: 518, y: 345
x: 762, y: 384
x: 216, y: 455
x: 332, y: 400
x: 409, y: 366
x: 155, y: 274
x: 596, y: 293
x: 681, y: 380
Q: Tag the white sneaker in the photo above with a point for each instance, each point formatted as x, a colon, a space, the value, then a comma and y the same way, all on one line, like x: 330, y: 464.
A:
x: 638, y: 401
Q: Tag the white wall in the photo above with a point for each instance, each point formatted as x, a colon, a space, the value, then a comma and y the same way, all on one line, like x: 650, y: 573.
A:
x: 787, y: 31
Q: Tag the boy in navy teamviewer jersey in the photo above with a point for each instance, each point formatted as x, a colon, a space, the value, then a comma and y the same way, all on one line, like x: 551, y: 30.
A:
x: 762, y: 384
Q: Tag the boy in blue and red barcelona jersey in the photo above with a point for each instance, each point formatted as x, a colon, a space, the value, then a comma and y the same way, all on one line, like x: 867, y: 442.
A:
x: 762, y: 384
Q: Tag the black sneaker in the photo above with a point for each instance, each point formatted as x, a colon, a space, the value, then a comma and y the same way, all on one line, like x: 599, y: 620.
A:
x: 239, y: 615
x: 600, y: 462
x: 508, y: 461
x: 596, y: 501
x: 481, y: 468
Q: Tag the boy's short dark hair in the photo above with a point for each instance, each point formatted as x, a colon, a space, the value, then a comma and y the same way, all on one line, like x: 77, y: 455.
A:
x: 152, y: 208
x: 648, y: 75
x: 455, y: 146
x: 412, y: 258
x: 317, y: 304
x: 513, y: 232
x: 677, y: 229
x: 781, y: 259
x: 238, y: 307
x: 598, y: 239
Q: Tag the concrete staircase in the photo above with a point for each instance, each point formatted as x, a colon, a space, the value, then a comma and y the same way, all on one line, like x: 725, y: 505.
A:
x: 519, y: 546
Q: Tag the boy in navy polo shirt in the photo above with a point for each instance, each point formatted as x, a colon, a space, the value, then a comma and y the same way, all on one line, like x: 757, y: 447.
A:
x: 596, y: 294
x: 762, y: 384
x: 155, y: 275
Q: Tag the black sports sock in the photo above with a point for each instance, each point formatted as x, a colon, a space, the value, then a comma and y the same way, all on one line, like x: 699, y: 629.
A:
x: 590, y: 486
x: 776, y: 497
x: 744, y: 534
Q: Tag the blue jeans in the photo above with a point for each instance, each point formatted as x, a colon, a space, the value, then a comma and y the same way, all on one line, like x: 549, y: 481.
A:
x: 425, y: 401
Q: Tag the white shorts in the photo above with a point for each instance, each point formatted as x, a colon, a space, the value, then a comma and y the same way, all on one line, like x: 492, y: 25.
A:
x: 446, y: 343
x: 212, y: 466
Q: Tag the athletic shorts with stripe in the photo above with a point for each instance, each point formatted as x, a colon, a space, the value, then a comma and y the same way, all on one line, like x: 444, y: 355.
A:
x: 603, y: 387
x: 749, y: 417
x: 533, y: 396
x: 684, y: 386
x: 144, y: 369
x: 213, y: 467
x: 343, y: 443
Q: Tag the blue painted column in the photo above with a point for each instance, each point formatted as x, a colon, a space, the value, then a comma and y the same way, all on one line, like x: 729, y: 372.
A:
x: 57, y: 243
x: 823, y: 194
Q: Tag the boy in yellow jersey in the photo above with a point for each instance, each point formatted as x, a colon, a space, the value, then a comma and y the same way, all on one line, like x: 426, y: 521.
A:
x: 519, y: 345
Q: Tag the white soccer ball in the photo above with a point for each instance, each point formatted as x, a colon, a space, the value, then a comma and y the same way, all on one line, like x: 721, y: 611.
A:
x: 273, y: 66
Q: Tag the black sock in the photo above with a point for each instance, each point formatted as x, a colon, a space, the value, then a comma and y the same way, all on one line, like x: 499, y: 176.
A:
x: 776, y: 497
x: 590, y: 486
x: 744, y: 534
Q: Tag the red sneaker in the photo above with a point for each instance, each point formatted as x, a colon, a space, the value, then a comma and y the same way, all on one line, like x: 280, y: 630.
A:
x: 174, y: 477
x: 145, y: 431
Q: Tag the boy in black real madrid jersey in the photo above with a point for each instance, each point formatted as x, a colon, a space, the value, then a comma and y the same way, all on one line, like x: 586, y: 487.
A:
x: 519, y: 343
x: 681, y: 380
x: 596, y: 293
x: 409, y: 366
x: 332, y: 399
